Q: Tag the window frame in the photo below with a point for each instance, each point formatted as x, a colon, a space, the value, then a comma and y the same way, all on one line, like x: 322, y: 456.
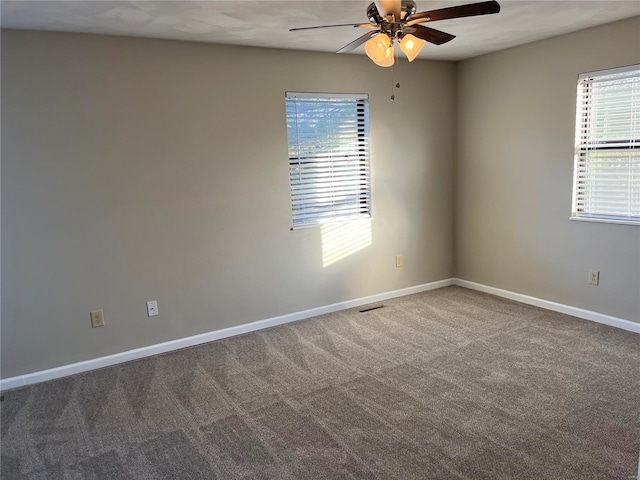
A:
x: 328, y: 183
x: 591, y: 140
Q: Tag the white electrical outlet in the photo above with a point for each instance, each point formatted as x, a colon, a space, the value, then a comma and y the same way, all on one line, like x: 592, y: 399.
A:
x: 398, y: 260
x: 97, y: 318
x: 152, y: 308
x: 594, y: 277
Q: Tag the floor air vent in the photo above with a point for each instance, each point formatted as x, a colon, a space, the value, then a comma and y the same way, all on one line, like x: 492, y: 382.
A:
x: 372, y: 308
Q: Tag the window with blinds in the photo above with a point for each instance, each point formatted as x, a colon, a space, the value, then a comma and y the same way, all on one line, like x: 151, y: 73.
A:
x: 607, y: 158
x: 328, y: 157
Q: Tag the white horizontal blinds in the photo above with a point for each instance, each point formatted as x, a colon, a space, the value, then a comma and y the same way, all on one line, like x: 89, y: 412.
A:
x: 328, y: 157
x: 607, y: 168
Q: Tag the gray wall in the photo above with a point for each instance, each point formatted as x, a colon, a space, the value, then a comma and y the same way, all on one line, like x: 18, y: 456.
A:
x: 514, y: 167
x: 137, y: 170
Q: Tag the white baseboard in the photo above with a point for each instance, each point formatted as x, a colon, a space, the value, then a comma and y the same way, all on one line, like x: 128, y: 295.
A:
x: 100, y: 362
x: 556, y: 307
x: 66, y: 370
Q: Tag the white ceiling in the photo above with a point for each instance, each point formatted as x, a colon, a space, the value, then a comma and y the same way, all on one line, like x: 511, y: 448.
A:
x: 265, y: 23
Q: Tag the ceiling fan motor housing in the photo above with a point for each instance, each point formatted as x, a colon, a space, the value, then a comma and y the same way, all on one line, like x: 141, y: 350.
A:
x: 373, y: 15
x: 397, y: 26
x: 394, y: 27
x: 408, y: 7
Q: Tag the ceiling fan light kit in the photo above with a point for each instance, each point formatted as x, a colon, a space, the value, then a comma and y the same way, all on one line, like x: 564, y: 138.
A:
x: 380, y: 50
x: 397, y: 21
x: 411, y: 46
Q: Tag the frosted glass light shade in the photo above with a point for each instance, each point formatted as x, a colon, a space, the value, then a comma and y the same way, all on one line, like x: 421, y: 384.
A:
x: 380, y: 50
x: 411, y: 46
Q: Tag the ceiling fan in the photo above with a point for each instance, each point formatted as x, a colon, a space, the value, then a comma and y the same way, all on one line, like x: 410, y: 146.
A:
x: 397, y: 21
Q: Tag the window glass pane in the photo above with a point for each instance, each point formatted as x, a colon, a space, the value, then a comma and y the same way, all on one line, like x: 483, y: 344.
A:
x: 328, y: 157
x: 607, y: 157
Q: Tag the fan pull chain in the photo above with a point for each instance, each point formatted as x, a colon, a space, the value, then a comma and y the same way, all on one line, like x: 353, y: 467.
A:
x: 395, y: 68
x: 393, y: 96
x: 398, y: 67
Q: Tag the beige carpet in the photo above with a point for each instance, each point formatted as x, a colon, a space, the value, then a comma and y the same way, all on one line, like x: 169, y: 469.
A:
x: 445, y: 384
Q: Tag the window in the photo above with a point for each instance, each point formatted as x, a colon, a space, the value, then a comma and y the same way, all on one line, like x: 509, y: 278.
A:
x: 607, y: 158
x: 328, y: 157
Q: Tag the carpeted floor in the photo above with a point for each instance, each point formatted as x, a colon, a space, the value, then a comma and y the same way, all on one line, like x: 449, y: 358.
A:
x: 445, y: 384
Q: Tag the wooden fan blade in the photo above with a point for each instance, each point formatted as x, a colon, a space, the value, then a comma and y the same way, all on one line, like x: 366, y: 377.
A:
x: 357, y: 42
x: 389, y: 7
x: 432, y: 35
x: 362, y: 25
x: 470, y: 10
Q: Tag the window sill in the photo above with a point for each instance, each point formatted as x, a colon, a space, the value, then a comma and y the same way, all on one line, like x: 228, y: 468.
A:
x: 606, y: 220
